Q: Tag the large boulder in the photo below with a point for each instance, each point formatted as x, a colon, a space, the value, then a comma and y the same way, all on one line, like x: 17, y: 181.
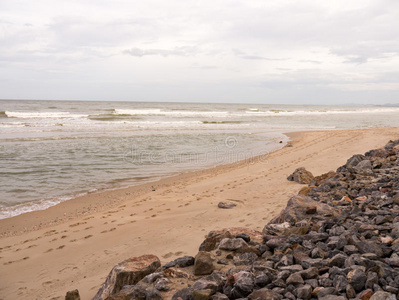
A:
x: 128, y: 272
x: 301, y: 208
x: 301, y: 175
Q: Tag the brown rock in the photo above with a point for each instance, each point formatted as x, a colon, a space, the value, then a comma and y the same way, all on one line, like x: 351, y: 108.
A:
x: 297, y: 207
x: 301, y: 175
x: 203, y: 264
x: 365, y: 295
x: 323, y: 178
x: 128, y: 272
x: 72, y: 295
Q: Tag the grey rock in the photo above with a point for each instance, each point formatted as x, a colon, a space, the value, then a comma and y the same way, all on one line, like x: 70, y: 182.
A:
x: 265, y: 294
x: 304, y: 292
x: 219, y: 296
x: 232, y: 244
x: 185, y: 261
x: 295, y: 279
x: 383, y: 296
x: 203, y: 284
x: 161, y: 284
x: 226, y: 205
x: 357, y: 278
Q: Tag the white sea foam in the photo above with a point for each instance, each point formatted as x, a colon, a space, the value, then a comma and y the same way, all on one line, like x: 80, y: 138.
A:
x: 172, y: 113
x: 43, y: 115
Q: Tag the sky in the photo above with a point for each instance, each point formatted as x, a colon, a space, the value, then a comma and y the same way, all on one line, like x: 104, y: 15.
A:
x: 283, y: 52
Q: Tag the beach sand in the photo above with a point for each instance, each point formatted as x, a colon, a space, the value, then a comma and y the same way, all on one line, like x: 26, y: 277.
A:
x: 75, y: 244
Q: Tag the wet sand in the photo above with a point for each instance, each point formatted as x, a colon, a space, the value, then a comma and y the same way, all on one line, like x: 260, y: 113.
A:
x: 75, y: 244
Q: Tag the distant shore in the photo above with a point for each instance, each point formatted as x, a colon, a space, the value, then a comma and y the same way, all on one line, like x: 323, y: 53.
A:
x: 76, y: 243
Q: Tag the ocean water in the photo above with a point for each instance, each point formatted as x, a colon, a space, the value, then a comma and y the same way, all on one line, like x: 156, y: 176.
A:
x: 52, y: 151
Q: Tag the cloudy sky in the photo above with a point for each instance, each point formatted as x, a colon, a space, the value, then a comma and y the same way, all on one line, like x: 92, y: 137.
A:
x: 249, y: 51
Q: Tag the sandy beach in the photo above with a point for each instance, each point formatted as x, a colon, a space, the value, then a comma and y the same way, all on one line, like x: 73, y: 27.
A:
x: 75, y: 244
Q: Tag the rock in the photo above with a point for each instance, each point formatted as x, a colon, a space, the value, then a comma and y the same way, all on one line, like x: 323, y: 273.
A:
x: 365, y: 295
x: 245, y: 259
x: 350, y: 292
x: 295, y: 279
x: 304, y: 292
x: 265, y: 294
x: 213, y: 239
x: 332, y: 297
x: 219, y: 296
x: 153, y: 295
x: 383, y: 296
x: 203, y: 264
x: 201, y: 294
x: 364, y: 165
x: 226, y: 205
x: 354, y: 160
x: 357, y: 278
x: 338, y: 260
x: 244, y: 283
x: 243, y: 236
x: 128, y: 272
x: 185, y: 261
x: 161, y: 284
x: 233, y: 244
x: 152, y: 277
x: 301, y: 175
x: 128, y: 292
x: 297, y: 206
x: 184, y: 294
x: 72, y: 295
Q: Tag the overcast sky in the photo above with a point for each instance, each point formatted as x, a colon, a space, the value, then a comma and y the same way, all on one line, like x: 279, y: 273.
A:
x: 308, y: 51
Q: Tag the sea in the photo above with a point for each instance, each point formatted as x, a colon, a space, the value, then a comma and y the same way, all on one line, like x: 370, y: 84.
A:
x: 53, y: 151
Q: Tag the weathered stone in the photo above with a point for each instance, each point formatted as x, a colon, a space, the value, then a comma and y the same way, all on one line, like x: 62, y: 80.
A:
x: 310, y: 273
x: 332, y: 297
x: 265, y: 294
x: 184, y: 294
x: 233, y: 244
x: 295, y: 279
x: 350, y: 291
x: 383, y: 296
x: 296, y: 210
x: 128, y: 292
x: 72, y: 295
x: 245, y: 259
x: 357, y: 278
x: 201, y: 294
x: 338, y: 260
x: 243, y: 236
x: 244, y: 283
x: 304, y: 292
x: 153, y: 295
x: 365, y: 295
x: 162, y: 284
x: 152, y: 277
x: 226, y: 205
x: 219, y: 296
x: 128, y: 272
x: 301, y: 175
x: 203, y: 284
x: 203, y: 264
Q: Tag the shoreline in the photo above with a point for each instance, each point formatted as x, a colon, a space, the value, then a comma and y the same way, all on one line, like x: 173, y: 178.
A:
x: 169, y: 222
x: 98, y: 201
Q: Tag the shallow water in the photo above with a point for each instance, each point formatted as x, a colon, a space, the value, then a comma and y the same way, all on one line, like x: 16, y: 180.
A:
x: 52, y: 151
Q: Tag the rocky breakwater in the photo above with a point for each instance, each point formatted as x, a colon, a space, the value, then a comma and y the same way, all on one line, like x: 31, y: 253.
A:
x: 337, y: 239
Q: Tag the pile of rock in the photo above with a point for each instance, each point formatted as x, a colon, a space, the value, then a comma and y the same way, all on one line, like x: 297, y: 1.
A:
x: 338, y: 239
